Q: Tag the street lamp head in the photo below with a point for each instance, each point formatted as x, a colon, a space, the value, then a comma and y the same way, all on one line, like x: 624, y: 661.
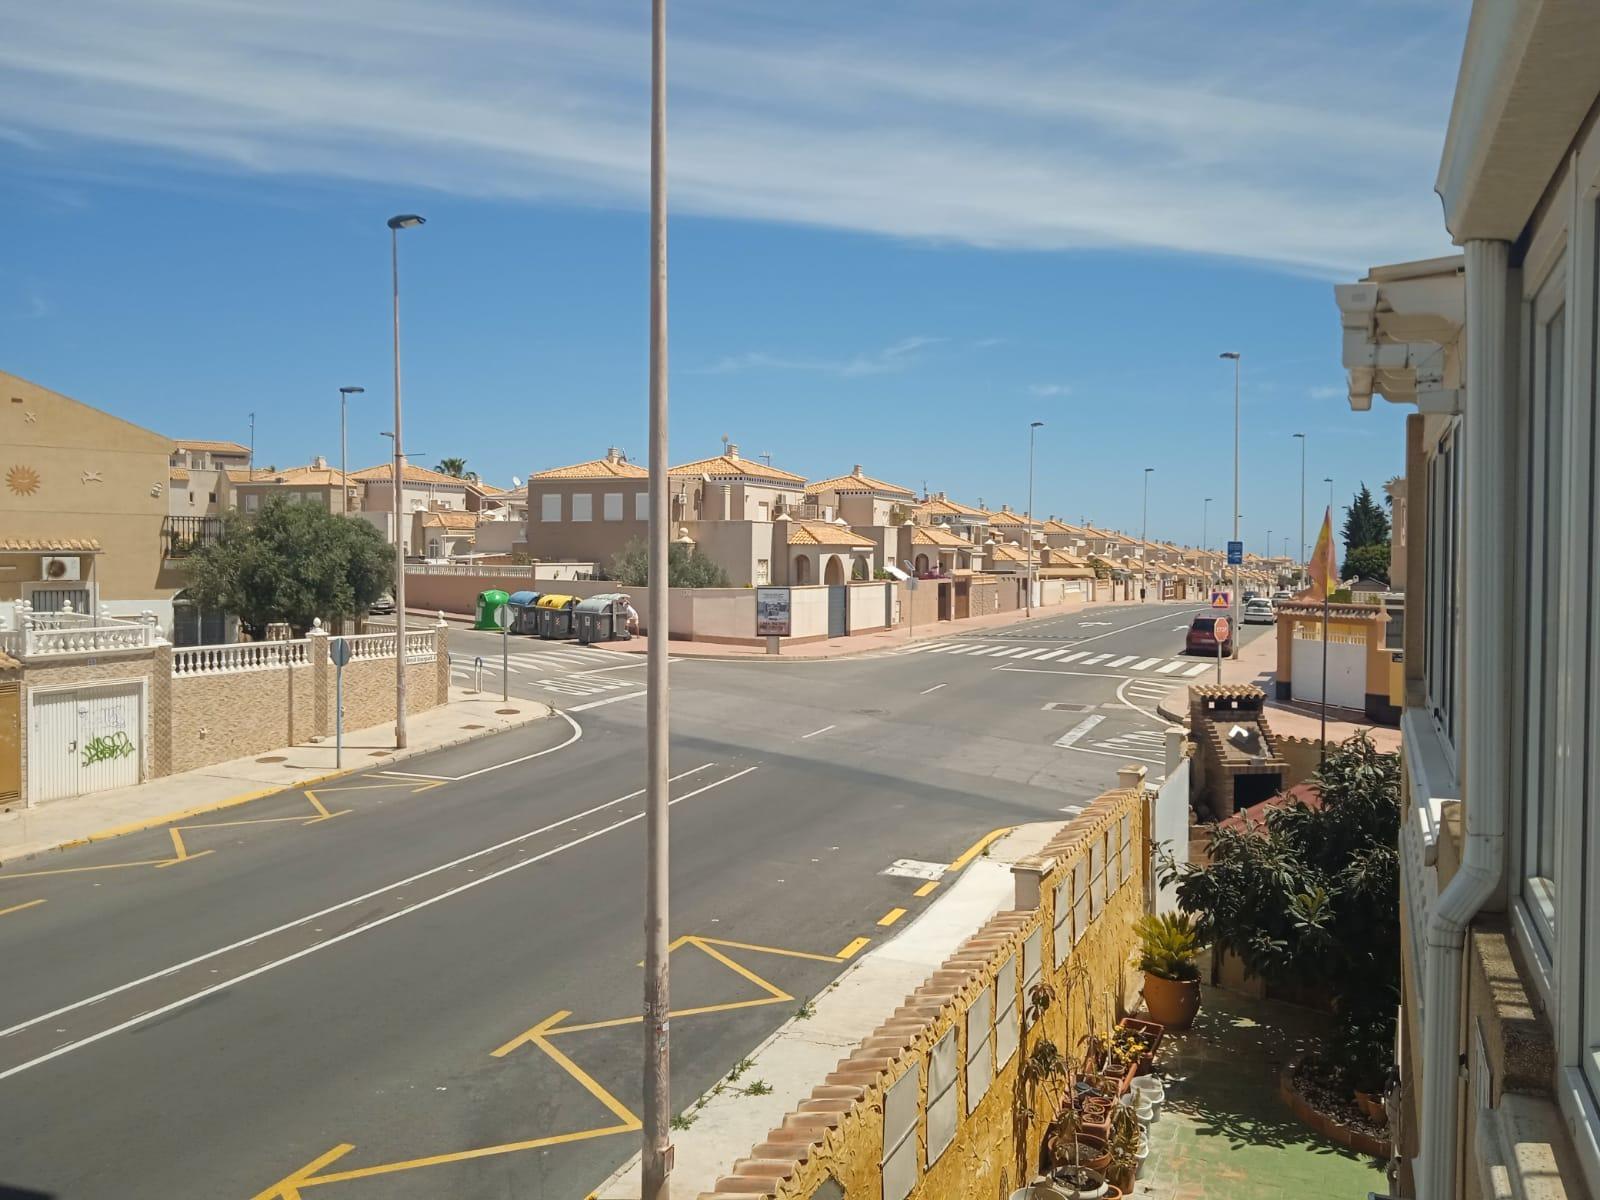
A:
x: 1298, y: 435
x: 1233, y: 354
x: 352, y: 391
x: 405, y: 221
x: 1148, y: 470
x: 1035, y: 424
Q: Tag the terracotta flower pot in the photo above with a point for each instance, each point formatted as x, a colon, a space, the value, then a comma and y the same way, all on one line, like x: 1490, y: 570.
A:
x: 1173, y: 1002
x: 1371, y: 1107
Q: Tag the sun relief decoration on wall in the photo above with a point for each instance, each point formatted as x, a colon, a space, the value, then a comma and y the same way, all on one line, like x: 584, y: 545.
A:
x: 22, y: 481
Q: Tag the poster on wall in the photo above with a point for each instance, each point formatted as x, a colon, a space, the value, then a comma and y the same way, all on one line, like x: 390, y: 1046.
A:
x: 772, y: 612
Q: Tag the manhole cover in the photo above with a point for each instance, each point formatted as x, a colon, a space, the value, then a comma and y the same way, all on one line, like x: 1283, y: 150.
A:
x: 273, y: 758
x: 472, y: 727
x: 1064, y: 706
x: 506, y: 712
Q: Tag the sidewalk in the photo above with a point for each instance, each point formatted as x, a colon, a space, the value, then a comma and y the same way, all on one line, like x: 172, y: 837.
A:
x: 58, y: 824
x: 1258, y: 664
x: 866, y: 643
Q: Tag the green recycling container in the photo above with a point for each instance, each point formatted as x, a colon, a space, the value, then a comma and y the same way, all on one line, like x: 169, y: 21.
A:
x: 489, y: 603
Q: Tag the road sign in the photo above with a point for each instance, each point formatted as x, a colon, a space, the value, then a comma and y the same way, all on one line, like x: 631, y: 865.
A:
x: 503, y: 616
x: 1235, y: 553
x: 338, y: 654
x: 338, y: 651
x: 1220, y: 629
x: 1221, y: 600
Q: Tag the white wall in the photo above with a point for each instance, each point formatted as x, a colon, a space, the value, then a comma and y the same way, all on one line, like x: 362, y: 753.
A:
x: 1171, y: 826
x: 808, y: 612
x: 868, y: 605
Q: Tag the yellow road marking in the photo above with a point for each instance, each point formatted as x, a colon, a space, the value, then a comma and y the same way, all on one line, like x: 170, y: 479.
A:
x: 853, y: 948
x: 144, y: 862
x: 19, y: 907
x: 700, y: 1011
x: 590, y: 1085
x: 709, y: 941
x: 925, y: 890
x: 743, y: 972
x: 977, y: 847
x: 530, y: 1034
x: 890, y: 917
x: 172, y: 862
x: 288, y: 1188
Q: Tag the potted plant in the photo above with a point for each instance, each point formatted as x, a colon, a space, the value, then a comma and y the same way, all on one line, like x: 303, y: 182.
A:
x: 1129, y: 1145
x: 1168, y: 946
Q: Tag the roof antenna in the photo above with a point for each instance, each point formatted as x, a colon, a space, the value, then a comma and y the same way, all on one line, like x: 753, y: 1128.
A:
x: 726, y: 442
x: 766, y: 458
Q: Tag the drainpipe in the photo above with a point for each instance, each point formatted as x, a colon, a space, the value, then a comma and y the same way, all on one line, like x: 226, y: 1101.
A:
x: 1487, y: 429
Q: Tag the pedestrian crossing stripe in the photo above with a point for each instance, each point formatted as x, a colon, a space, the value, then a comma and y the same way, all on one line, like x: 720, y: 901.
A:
x: 1061, y: 656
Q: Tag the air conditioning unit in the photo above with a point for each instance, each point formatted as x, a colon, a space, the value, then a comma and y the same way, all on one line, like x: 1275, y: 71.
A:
x: 59, y: 568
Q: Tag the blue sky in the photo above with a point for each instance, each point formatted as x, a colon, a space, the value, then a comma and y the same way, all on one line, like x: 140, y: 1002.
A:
x: 898, y: 235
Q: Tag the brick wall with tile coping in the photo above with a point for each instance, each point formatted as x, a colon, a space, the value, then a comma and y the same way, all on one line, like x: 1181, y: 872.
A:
x: 838, y: 1133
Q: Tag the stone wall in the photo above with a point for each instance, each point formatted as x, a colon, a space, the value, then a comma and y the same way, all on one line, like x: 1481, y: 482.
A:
x: 835, y: 1139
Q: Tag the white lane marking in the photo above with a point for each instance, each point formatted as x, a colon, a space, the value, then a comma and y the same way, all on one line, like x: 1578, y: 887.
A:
x: 1067, y: 739
x: 982, y: 650
x: 577, y: 732
x: 1030, y: 653
x: 607, y: 700
x: 971, y: 650
x: 921, y: 648
x: 1074, y: 657
x: 1179, y: 628
x: 934, y: 688
x: 1098, y: 658
x: 1193, y: 671
x: 1010, y: 651
x: 1086, y: 624
x: 814, y: 732
x: 1169, y: 668
x: 1145, y: 664
x: 911, y: 868
x: 952, y: 646
x: 1123, y: 661
x: 343, y: 904
x: 1074, y: 809
x: 1052, y: 654
x: 415, y: 775
x: 184, y: 1001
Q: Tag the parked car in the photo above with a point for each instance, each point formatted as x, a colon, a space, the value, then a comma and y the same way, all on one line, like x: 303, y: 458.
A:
x: 1202, y: 636
x: 383, y: 606
x: 1259, y: 612
x: 1281, y: 597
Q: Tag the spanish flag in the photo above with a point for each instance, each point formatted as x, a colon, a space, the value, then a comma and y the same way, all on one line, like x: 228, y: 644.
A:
x: 1324, y: 567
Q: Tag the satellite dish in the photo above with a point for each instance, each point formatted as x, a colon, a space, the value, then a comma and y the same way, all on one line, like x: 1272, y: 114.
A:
x: 516, y: 481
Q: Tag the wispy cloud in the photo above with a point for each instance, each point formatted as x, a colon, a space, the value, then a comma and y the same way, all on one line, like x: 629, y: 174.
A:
x: 1213, y: 132
x: 894, y: 357
x: 1049, y: 389
x: 1327, y: 393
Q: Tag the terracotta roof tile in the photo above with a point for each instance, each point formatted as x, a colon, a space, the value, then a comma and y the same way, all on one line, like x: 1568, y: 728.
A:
x: 857, y: 482
x: 728, y: 466
x: 599, y: 468
x: 289, y: 476
x: 26, y: 545
x: 937, y: 535
x: 825, y: 533
x: 943, y: 506
x: 413, y: 474
x: 450, y: 520
x: 223, y: 447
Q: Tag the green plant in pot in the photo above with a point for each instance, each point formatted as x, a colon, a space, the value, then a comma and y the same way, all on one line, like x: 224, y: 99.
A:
x: 1127, y: 1144
x: 1169, y: 943
x: 1077, y: 1159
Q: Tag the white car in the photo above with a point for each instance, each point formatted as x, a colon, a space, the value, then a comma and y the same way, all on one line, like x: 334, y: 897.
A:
x: 1259, y: 612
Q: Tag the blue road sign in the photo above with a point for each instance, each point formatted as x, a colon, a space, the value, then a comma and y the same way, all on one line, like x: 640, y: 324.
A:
x: 1235, y: 553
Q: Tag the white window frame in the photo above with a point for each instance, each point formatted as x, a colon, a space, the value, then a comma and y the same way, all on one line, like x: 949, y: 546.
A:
x: 1007, y: 1021
x: 900, y: 1166
x: 641, y: 506
x: 550, y: 507
x: 980, y: 1046
x: 763, y: 571
x: 944, y: 1108
x: 611, y: 506
x: 582, y: 507
x: 252, y: 502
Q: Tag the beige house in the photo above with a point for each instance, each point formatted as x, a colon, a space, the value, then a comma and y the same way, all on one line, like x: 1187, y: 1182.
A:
x: 83, y: 496
x: 444, y: 534
x: 938, y: 509
x: 316, y: 483
x: 588, y: 511
x: 882, y: 512
x: 938, y: 552
x: 826, y: 552
x: 421, y: 490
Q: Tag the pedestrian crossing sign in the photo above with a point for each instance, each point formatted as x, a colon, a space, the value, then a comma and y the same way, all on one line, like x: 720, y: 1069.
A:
x: 1220, y: 600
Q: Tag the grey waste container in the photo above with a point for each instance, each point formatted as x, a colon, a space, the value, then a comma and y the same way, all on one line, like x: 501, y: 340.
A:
x: 555, y: 615
x: 524, y: 616
x: 602, y: 618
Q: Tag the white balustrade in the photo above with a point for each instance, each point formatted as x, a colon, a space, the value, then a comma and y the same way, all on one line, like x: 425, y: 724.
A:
x: 240, y: 656
x: 420, y: 645
x: 67, y: 639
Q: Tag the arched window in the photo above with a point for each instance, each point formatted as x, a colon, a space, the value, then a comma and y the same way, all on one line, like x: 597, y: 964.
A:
x: 802, y: 569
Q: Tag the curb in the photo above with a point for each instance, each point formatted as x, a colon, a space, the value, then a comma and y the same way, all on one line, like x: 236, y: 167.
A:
x: 1178, y: 713
x: 1321, y: 1123
x: 116, y: 831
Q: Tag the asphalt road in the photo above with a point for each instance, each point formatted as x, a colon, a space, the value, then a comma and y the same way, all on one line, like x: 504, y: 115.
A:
x: 423, y: 983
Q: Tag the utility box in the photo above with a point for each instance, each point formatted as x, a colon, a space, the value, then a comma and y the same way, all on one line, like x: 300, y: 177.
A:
x: 555, y: 615
x: 524, y: 612
x: 489, y: 603
x: 602, y: 618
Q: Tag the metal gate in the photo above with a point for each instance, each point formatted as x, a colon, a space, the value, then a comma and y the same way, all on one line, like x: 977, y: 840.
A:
x: 85, y: 740
x: 838, y: 610
x: 1347, y: 667
x: 10, y: 743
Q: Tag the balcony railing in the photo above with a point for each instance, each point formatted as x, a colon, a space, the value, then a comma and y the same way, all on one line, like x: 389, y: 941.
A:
x: 182, y: 536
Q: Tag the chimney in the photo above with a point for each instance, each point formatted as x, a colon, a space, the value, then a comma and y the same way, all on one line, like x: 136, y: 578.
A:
x: 613, y: 455
x: 733, y: 450
x: 319, y: 463
x: 856, y: 471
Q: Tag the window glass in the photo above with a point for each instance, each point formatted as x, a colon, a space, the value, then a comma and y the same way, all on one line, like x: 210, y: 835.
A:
x: 1032, y: 967
x: 582, y: 507
x: 550, y: 506
x: 980, y: 1045
x: 1007, y: 1028
x: 942, y: 1113
x: 613, y: 506
x: 1063, y: 919
x: 900, y: 1165
x: 641, y: 506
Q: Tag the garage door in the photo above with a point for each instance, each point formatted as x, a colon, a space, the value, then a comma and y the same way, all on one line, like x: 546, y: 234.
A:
x: 85, y: 740
x: 1347, y: 668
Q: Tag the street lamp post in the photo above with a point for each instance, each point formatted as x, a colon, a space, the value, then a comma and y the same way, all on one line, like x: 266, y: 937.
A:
x: 1205, y: 524
x: 1302, y: 438
x: 1144, y: 539
x: 344, y: 479
x: 1033, y: 427
x: 1329, y: 481
x: 655, y: 1159
x: 396, y: 224
x: 1235, y: 356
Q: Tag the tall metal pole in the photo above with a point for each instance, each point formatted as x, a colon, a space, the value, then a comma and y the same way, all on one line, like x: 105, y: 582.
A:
x: 397, y: 478
x: 1234, y: 354
x: 656, y: 1155
x: 1144, y: 539
x: 344, y: 449
x: 1302, y: 559
x: 1205, y: 524
x: 250, y: 463
x: 1032, y: 429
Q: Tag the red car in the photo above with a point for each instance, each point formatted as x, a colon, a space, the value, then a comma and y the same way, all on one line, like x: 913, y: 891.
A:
x: 1202, y: 637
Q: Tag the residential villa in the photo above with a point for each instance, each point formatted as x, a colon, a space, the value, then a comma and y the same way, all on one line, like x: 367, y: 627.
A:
x: 1494, y: 352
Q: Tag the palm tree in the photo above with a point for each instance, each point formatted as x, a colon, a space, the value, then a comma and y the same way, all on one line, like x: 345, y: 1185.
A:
x: 452, y: 466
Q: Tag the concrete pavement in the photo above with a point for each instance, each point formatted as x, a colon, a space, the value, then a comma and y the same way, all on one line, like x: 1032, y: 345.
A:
x: 433, y: 989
